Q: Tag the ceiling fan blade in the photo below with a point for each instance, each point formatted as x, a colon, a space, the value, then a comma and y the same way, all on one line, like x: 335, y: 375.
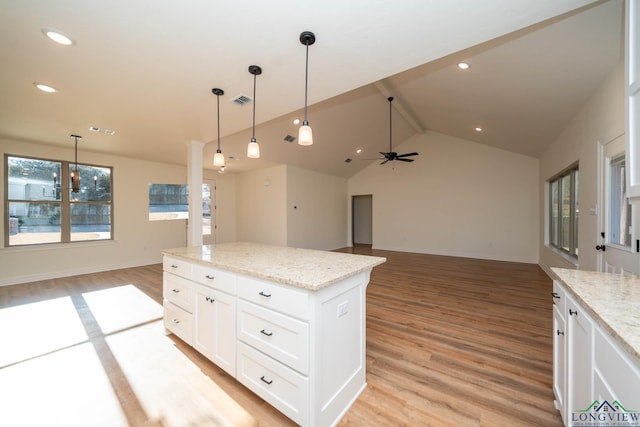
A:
x: 407, y: 154
x: 405, y: 160
x: 384, y: 162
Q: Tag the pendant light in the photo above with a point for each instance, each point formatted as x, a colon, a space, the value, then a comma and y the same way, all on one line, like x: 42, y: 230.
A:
x: 218, y: 158
x: 75, y: 175
x: 305, y: 136
x: 253, y: 149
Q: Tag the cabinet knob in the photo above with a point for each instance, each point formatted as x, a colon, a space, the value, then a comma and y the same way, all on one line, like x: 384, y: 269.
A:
x: 559, y: 332
x: 177, y: 291
x: 265, y: 295
x: 266, y: 333
x: 264, y: 380
x: 572, y: 312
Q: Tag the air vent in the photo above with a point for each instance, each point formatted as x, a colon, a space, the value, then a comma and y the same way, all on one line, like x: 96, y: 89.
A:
x: 348, y: 160
x: 100, y: 130
x: 242, y: 100
x: 289, y: 138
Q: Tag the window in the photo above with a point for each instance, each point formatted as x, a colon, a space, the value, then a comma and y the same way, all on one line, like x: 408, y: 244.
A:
x: 563, y: 212
x: 619, y: 206
x: 41, y: 208
x: 168, y: 201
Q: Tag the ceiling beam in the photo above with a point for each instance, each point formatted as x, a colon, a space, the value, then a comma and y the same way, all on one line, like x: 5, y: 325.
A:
x: 409, y: 117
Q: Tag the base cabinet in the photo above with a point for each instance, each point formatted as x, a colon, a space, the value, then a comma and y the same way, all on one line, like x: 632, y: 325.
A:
x: 593, y: 376
x: 303, y: 351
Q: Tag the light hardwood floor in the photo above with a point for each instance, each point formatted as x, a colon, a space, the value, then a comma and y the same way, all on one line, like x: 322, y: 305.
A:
x: 450, y: 341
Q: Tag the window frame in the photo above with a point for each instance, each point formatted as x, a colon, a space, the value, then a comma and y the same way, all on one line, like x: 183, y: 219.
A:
x: 556, y: 243
x: 66, y: 202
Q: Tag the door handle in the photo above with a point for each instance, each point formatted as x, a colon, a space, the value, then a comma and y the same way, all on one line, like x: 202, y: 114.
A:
x: 601, y: 248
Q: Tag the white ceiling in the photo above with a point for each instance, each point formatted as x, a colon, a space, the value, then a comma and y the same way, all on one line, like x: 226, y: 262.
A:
x: 145, y: 68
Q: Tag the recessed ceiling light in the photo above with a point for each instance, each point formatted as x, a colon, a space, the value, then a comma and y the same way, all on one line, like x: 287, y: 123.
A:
x: 463, y: 65
x: 45, y: 88
x: 296, y: 121
x: 359, y: 150
x: 478, y: 129
x: 58, y: 36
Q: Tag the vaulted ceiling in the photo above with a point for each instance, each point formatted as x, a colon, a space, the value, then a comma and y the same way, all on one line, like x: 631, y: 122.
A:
x: 145, y: 69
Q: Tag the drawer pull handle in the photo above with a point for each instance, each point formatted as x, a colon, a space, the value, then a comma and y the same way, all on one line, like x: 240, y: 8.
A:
x: 174, y: 266
x: 266, y: 333
x: 572, y: 312
x: 559, y: 332
x: 177, y: 291
x: 210, y: 299
x: 264, y: 380
x: 265, y: 295
x: 176, y: 321
x: 555, y: 295
x: 210, y: 277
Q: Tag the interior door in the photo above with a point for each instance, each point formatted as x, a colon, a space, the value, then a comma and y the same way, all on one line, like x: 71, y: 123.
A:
x: 618, y: 242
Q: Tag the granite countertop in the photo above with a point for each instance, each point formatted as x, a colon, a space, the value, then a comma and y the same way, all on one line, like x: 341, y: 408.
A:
x: 304, y: 268
x: 612, y: 300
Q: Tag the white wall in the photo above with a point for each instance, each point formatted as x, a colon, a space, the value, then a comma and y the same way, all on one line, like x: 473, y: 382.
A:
x: 137, y: 240
x: 458, y: 198
x: 600, y: 120
x: 261, y: 203
x: 316, y: 207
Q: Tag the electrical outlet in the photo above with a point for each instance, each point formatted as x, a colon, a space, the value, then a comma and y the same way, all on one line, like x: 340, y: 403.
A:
x: 343, y: 308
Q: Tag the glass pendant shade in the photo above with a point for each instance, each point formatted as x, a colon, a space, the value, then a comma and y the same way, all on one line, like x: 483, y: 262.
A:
x: 218, y: 158
x: 305, y: 135
x: 75, y: 182
x: 253, y: 149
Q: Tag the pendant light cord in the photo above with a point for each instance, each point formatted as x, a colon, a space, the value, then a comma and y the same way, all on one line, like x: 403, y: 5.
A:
x: 218, y: 101
x: 253, y: 134
x: 306, y: 83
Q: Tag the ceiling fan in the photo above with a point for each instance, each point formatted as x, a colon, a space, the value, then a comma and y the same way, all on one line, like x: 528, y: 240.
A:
x: 392, y: 155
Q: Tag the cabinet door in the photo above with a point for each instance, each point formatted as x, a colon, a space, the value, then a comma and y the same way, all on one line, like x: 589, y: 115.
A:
x: 559, y: 360
x: 579, y: 357
x: 215, y: 327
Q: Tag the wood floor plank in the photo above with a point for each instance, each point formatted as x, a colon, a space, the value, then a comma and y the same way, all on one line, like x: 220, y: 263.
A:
x: 450, y: 341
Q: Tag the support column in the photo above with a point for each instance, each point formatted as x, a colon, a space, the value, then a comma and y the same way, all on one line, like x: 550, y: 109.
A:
x: 194, y: 180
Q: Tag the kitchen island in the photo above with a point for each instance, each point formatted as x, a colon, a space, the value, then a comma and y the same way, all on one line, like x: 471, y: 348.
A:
x: 287, y: 323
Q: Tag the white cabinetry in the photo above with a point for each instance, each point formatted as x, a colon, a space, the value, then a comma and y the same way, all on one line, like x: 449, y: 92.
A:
x: 301, y: 350
x: 588, y: 365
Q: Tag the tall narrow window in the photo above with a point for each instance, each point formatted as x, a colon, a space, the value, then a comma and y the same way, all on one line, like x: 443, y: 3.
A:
x: 619, y: 206
x: 42, y: 208
x: 564, y: 212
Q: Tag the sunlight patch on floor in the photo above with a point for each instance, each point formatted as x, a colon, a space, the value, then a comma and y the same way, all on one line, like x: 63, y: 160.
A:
x: 66, y: 388
x: 38, y: 328
x: 121, y: 307
x: 169, y: 385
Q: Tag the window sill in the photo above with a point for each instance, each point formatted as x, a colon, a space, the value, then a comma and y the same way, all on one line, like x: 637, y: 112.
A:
x: 565, y: 256
x: 46, y: 247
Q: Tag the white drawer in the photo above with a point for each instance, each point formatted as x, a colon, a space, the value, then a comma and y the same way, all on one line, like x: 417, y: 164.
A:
x: 281, y: 337
x: 178, y: 321
x: 177, y: 266
x: 214, y: 278
x: 620, y: 371
x: 179, y: 291
x: 282, y: 387
x: 284, y: 299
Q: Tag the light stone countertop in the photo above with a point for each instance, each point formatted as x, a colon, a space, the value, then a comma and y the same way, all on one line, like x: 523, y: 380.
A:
x: 303, y: 268
x: 612, y: 300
